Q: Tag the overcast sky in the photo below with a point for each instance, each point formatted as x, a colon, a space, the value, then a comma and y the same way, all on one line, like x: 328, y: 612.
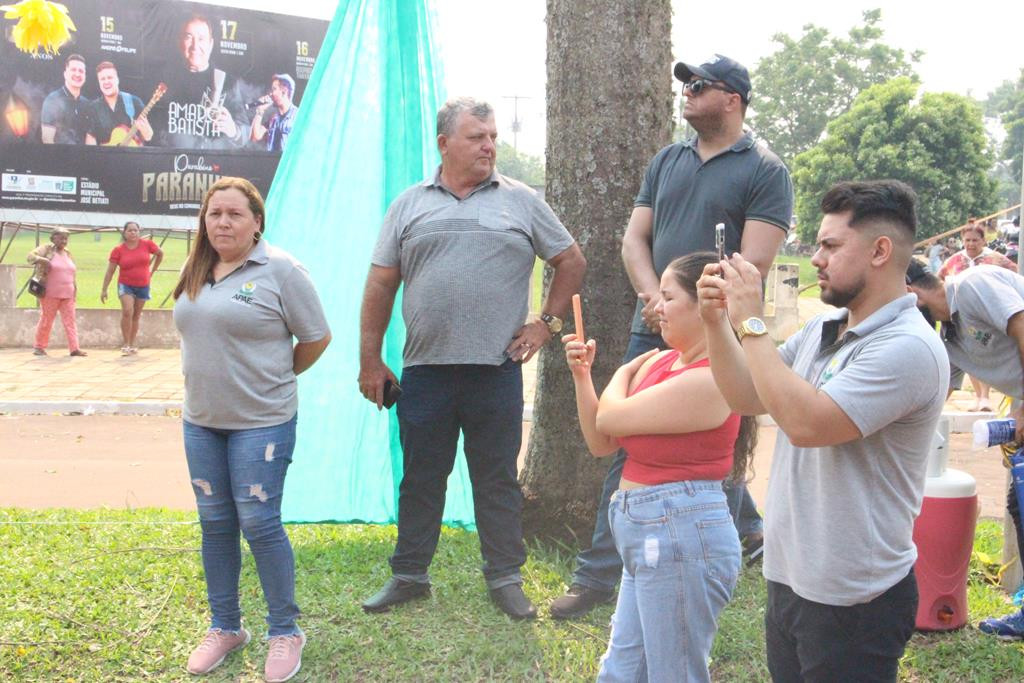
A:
x: 496, y: 48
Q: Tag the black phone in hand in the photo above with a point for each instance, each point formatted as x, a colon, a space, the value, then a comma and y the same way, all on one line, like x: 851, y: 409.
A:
x: 391, y: 393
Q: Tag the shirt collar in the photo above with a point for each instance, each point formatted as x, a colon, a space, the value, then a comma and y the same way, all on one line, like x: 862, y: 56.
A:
x: 883, y: 316
x: 435, y: 181
x: 259, y: 253
x: 745, y: 142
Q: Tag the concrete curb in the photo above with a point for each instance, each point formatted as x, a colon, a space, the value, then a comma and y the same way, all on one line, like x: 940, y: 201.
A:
x: 152, y: 408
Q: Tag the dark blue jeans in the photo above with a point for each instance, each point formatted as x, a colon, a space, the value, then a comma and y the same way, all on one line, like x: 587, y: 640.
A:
x: 485, y: 404
x: 600, y: 566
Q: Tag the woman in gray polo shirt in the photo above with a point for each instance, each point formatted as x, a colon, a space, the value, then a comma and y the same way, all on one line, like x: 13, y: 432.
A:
x: 238, y: 305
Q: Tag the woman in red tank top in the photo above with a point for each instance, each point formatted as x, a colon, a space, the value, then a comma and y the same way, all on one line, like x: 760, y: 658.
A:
x: 669, y: 518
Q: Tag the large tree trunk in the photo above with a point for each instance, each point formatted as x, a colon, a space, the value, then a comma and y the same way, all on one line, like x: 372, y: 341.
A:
x: 609, y: 109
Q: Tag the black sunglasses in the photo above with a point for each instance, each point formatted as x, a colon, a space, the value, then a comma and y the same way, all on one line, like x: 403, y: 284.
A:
x: 697, y: 86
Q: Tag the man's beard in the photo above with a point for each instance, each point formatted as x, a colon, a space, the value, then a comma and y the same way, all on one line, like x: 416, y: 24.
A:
x: 840, y: 298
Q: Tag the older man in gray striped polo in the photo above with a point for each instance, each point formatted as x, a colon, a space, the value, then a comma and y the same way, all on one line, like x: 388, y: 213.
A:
x: 463, y: 242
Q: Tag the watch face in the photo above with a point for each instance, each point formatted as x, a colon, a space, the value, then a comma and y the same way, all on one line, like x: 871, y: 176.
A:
x: 756, y: 325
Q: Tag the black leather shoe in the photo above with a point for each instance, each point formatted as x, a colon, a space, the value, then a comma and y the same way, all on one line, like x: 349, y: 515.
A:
x: 579, y: 600
x: 513, y: 602
x: 395, y: 592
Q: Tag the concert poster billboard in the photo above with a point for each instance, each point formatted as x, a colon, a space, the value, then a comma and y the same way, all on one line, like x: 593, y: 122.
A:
x: 150, y: 102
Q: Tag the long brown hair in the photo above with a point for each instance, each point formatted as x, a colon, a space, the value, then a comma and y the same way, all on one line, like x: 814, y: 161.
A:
x: 203, y: 257
x: 687, y: 270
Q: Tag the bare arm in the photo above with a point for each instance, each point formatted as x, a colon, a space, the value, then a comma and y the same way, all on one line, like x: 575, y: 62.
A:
x: 257, y: 130
x: 378, y: 299
x: 111, y: 267
x: 638, y: 259
x: 144, y: 128
x: 569, y: 266
x: 580, y: 359
x: 306, y: 353
x: 760, y: 244
x: 728, y: 364
x: 47, y: 133
x: 158, y: 257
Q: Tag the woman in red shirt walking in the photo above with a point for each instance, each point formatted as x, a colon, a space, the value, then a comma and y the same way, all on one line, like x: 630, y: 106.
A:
x: 680, y: 550
x: 132, y: 256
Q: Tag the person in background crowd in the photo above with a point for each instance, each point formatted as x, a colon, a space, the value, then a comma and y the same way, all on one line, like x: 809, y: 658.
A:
x: 856, y: 395
x: 238, y: 306
x: 681, y: 441
x: 935, y: 255
x: 975, y: 253
x: 721, y: 175
x: 132, y: 257
x: 66, y: 116
x: 982, y: 316
x: 55, y: 268
x: 276, y: 131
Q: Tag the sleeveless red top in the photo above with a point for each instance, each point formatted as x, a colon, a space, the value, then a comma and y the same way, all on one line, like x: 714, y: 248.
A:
x: 662, y: 458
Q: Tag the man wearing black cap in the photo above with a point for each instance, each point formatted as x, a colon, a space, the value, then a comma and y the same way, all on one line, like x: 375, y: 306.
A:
x: 982, y: 316
x: 721, y: 175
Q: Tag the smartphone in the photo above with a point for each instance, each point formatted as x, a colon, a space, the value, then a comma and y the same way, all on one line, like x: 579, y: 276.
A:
x: 720, y: 240
x: 391, y: 393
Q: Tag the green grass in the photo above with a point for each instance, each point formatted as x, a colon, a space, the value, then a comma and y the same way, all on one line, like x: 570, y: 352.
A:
x: 91, y: 261
x: 119, y: 596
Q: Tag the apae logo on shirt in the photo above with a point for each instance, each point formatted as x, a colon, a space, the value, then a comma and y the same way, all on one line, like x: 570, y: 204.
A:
x: 979, y: 336
x: 245, y: 295
x: 830, y: 371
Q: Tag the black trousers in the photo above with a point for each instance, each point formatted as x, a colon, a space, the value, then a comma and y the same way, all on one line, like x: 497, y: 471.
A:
x: 809, y: 641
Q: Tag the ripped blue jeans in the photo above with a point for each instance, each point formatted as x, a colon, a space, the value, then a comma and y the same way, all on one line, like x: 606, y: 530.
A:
x: 238, y: 479
x: 681, y: 557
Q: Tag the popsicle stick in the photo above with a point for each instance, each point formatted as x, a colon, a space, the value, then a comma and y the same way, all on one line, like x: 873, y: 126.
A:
x: 577, y: 314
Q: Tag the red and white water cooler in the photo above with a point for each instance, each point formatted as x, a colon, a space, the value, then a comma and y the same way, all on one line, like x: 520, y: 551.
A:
x: 944, y: 535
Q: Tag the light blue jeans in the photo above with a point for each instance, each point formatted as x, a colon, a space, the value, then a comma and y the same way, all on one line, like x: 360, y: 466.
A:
x: 681, y: 558
x: 238, y: 479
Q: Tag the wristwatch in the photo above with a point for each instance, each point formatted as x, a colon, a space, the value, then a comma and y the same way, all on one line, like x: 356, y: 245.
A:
x: 753, y: 327
x: 553, y: 322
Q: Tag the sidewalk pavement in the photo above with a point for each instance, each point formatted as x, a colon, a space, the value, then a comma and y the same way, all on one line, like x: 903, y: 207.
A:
x: 148, y: 383
x: 105, y: 382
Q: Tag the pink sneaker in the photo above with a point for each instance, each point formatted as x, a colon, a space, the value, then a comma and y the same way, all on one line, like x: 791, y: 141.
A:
x: 284, y: 658
x: 215, y: 646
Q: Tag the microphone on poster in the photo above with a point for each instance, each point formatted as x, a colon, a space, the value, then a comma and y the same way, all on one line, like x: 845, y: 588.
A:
x: 255, y: 103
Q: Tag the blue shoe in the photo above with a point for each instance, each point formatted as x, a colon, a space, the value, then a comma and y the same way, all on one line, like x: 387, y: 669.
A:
x: 1010, y: 627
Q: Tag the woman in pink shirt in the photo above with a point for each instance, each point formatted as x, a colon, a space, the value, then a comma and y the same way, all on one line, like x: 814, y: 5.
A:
x: 132, y: 257
x: 54, y: 266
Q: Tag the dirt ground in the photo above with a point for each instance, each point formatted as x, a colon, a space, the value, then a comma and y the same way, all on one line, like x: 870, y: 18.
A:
x: 131, y: 462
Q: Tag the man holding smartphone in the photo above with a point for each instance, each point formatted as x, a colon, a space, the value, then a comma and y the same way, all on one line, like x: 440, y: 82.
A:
x: 464, y: 243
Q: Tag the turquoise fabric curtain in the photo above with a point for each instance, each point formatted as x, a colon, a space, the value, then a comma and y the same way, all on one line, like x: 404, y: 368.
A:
x: 364, y: 133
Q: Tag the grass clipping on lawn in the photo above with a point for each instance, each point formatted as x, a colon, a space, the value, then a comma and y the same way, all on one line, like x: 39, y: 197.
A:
x: 119, y: 596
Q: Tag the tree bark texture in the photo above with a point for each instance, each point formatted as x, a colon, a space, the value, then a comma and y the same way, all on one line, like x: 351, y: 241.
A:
x: 609, y: 110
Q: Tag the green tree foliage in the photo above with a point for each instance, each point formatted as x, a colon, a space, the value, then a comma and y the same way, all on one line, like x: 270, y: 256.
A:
x: 810, y: 80
x: 523, y: 167
x: 1011, y: 110
x: 935, y: 143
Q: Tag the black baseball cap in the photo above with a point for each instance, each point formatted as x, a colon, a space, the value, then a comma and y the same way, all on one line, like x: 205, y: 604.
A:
x: 718, y: 68
x: 917, y: 270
